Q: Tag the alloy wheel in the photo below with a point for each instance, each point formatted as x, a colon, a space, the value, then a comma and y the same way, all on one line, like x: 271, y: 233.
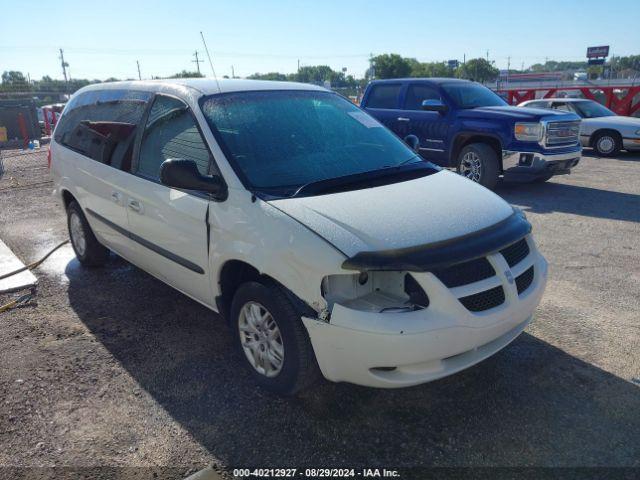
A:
x: 471, y: 166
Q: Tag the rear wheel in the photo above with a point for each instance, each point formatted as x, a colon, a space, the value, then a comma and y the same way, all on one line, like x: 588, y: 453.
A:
x: 272, y: 340
x: 478, y: 162
x: 607, y: 144
x: 87, y: 248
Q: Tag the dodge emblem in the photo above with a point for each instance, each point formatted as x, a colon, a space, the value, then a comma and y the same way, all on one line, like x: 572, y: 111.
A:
x: 509, y: 276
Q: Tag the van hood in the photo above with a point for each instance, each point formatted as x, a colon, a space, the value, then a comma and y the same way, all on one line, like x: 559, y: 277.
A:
x: 426, y: 210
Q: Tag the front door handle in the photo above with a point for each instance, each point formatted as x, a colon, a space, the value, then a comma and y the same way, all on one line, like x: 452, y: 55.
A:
x: 116, y: 196
x: 403, y: 119
x: 135, y: 205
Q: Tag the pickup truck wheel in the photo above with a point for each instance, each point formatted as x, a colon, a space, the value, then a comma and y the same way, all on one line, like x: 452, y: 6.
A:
x: 272, y: 340
x: 479, y: 162
x: 85, y: 244
x: 607, y: 144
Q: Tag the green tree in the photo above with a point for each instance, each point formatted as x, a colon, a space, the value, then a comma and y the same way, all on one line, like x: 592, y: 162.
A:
x: 14, y: 81
x: 392, y: 65
x: 430, y: 69
x: 186, y: 74
x: 268, y: 76
x: 478, y: 69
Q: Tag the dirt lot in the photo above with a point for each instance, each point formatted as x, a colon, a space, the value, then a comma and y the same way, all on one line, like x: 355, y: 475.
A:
x: 110, y: 367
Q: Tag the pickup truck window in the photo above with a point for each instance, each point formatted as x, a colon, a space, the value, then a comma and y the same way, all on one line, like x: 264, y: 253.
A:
x: 417, y: 93
x: 278, y: 141
x: 384, y: 96
x: 472, y: 95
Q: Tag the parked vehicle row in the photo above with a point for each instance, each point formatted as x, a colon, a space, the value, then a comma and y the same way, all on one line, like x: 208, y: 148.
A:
x: 601, y: 129
x: 327, y: 243
x: 464, y: 125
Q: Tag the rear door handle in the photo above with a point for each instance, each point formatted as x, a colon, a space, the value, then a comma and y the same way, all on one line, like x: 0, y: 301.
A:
x: 116, y: 196
x: 135, y: 205
x: 403, y: 119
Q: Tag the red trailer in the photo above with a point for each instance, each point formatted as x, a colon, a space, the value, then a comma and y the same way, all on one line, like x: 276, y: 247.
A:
x: 624, y: 99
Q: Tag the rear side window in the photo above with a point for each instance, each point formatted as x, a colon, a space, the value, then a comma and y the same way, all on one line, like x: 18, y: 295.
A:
x: 417, y: 93
x: 171, y: 132
x: 384, y: 96
x: 102, y: 125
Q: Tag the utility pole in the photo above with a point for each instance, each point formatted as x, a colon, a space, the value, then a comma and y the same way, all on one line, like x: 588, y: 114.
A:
x: 233, y: 73
x: 508, y: 67
x: 64, y: 66
x: 139, y: 76
x: 197, y: 61
x: 487, y: 55
x: 298, y: 65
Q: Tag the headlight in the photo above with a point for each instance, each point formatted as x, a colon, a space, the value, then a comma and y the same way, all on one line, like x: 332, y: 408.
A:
x: 375, y: 291
x: 528, y: 132
x: 637, y: 132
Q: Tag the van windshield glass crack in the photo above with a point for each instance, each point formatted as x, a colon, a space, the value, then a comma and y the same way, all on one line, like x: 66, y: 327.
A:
x: 279, y: 142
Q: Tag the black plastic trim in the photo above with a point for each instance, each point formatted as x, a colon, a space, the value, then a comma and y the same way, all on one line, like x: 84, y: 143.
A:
x: 146, y: 243
x: 423, y: 258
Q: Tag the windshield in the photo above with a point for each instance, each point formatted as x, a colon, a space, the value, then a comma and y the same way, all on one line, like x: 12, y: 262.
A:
x: 280, y: 141
x: 592, y: 110
x: 472, y: 95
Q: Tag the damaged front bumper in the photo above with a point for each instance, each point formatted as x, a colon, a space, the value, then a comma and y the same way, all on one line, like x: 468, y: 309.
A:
x: 392, y: 349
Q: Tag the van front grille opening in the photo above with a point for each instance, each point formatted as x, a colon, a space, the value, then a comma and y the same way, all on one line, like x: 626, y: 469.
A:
x: 465, y: 273
x: 524, y: 280
x: 486, y: 300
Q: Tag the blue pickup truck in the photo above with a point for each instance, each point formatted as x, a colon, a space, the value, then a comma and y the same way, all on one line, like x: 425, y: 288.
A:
x: 463, y: 125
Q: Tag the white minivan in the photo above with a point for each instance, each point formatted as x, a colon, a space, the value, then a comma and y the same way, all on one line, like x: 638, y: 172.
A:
x: 327, y: 243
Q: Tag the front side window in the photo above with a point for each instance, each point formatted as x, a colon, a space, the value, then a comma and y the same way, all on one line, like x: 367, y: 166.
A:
x: 472, y: 95
x: 171, y: 133
x: 278, y: 141
x: 592, y: 110
x: 384, y: 96
x: 561, y: 106
x: 102, y: 125
x: 416, y: 94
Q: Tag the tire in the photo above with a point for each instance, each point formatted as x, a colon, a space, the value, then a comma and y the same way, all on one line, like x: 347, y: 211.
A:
x: 543, y: 179
x: 85, y: 244
x: 607, y: 143
x: 298, y: 368
x: 478, y: 162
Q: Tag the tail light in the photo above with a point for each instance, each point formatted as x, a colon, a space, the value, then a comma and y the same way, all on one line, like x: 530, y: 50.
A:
x: 49, y: 158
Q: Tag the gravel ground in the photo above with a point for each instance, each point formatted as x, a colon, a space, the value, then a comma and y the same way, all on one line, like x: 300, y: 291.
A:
x: 110, y: 367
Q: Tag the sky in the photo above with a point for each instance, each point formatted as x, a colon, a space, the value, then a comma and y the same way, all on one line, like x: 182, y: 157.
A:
x: 103, y: 39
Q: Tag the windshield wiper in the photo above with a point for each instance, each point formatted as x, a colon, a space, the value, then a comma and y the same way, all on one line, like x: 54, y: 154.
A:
x: 318, y: 186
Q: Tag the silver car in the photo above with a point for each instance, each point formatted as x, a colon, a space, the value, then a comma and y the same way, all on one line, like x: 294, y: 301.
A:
x: 600, y: 128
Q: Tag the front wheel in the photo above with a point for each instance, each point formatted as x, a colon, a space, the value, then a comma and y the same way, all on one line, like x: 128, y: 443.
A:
x: 272, y: 340
x: 478, y: 162
x: 607, y: 144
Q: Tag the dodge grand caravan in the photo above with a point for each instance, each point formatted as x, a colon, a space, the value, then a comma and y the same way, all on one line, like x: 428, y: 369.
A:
x: 326, y: 242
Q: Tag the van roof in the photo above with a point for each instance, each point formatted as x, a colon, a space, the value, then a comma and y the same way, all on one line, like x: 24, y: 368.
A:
x: 206, y: 86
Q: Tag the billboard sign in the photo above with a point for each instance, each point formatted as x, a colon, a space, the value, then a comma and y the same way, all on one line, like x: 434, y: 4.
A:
x: 594, y: 52
x: 596, y: 61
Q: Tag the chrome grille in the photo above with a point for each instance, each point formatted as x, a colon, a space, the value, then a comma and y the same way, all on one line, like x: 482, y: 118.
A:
x: 560, y: 134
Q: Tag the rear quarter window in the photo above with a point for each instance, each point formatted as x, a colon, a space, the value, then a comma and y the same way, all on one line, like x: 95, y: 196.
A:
x: 102, y: 125
x: 384, y: 96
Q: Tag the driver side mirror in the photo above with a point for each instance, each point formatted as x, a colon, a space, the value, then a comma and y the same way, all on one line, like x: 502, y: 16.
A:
x: 434, y: 106
x: 413, y: 142
x: 180, y: 173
